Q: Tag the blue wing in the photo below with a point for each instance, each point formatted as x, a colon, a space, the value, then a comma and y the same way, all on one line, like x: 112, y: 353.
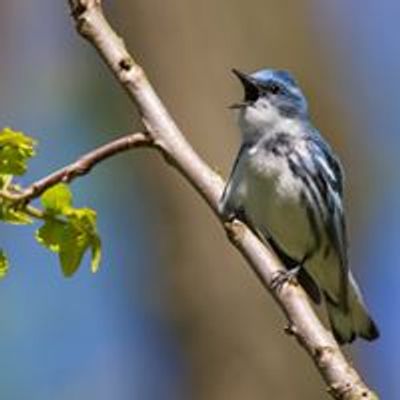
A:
x: 328, y: 177
x: 322, y: 177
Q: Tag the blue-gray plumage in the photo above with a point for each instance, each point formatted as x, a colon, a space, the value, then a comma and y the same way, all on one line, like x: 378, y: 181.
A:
x: 287, y: 184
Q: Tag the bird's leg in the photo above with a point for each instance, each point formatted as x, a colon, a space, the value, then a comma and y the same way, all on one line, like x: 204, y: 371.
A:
x: 292, y: 268
x: 282, y: 277
x: 241, y: 215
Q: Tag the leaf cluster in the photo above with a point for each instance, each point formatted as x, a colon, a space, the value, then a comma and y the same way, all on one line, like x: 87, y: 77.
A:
x: 68, y: 231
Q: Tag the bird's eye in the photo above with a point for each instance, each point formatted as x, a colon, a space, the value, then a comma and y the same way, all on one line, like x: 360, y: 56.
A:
x: 274, y: 88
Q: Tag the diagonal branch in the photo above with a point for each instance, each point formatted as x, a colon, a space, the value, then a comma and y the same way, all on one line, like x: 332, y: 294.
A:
x: 342, y: 380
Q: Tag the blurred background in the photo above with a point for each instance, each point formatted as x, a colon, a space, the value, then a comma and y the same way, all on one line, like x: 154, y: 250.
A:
x: 174, y: 312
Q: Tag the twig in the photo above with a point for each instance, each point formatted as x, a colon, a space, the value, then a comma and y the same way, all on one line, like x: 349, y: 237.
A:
x: 80, y: 167
x: 342, y: 380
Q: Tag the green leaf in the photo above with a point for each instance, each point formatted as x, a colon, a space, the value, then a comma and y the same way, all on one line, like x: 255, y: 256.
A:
x: 50, y: 234
x: 57, y: 199
x: 72, y: 250
x: 70, y: 232
x: 15, y: 150
x: 4, y: 265
x: 83, y: 229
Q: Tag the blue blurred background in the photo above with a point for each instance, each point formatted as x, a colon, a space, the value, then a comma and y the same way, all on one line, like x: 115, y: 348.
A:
x: 174, y: 313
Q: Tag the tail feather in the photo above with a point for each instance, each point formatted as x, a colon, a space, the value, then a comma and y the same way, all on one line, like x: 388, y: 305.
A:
x: 362, y: 322
x: 353, y: 320
x: 341, y: 322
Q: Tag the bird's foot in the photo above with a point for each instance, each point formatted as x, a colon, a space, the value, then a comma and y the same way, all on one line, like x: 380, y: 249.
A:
x: 283, y: 277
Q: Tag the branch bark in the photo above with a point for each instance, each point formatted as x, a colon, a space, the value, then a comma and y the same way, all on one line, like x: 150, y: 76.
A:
x: 342, y: 379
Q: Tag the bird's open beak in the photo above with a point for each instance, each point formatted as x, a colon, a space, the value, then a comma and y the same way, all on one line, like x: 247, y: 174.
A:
x: 251, y: 92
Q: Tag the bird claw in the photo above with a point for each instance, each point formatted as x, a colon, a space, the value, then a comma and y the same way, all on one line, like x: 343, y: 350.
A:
x: 283, y: 277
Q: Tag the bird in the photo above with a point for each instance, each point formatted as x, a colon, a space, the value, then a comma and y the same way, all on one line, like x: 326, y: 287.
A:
x: 287, y: 184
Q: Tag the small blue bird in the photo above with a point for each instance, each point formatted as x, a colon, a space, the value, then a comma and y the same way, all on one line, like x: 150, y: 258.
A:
x: 287, y: 185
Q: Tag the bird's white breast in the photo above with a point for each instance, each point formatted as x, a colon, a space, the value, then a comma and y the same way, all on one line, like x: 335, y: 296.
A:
x: 273, y: 202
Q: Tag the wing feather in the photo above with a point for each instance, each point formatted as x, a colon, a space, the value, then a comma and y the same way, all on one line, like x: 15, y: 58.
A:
x: 328, y: 175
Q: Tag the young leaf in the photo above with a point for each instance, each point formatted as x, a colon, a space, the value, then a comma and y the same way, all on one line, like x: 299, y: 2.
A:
x: 57, y: 199
x: 15, y: 150
x: 82, y: 223
x: 50, y: 234
x: 73, y: 247
x: 69, y: 231
x: 4, y: 265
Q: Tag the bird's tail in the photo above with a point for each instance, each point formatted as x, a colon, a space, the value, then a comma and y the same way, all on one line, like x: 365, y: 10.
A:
x: 351, y: 320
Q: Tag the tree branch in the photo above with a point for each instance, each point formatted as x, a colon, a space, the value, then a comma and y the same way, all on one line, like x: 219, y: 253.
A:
x: 342, y: 380
x: 80, y: 167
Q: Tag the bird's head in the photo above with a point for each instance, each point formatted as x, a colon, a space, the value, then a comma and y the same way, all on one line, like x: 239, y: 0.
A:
x: 269, y: 96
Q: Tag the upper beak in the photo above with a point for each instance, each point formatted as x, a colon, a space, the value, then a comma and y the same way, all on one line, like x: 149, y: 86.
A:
x: 244, y: 78
x: 250, y: 89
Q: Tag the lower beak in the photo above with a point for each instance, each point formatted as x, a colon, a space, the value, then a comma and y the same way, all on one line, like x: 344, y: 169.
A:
x: 239, y: 105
